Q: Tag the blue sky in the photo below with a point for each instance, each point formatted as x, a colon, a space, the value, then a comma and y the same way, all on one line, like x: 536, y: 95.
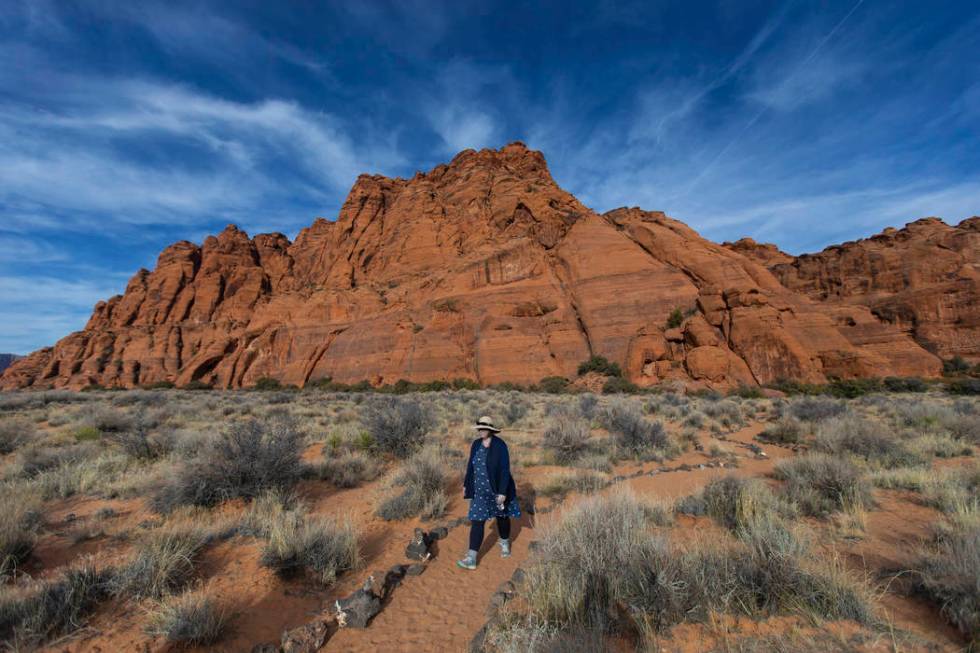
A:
x: 125, y: 126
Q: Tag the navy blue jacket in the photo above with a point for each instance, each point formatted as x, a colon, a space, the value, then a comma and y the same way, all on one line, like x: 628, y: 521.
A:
x: 498, y: 469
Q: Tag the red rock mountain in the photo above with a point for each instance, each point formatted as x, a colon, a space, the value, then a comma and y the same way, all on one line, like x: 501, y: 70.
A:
x: 485, y: 269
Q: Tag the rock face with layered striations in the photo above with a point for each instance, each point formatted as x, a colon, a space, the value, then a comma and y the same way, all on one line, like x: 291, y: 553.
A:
x: 481, y: 269
x: 923, y: 279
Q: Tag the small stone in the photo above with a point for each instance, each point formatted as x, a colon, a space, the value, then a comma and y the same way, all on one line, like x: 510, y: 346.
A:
x: 357, y: 610
x: 305, y: 639
x: 439, y: 533
x: 419, y: 547
x: 415, y: 570
x: 701, y: 466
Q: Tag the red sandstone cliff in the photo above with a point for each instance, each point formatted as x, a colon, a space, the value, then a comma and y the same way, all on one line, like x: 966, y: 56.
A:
x: 485, y: 269
x: 923, y: 278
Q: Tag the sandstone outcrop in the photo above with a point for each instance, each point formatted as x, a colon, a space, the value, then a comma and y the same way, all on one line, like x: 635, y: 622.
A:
x: 923, y: 279
x: 485, y: 269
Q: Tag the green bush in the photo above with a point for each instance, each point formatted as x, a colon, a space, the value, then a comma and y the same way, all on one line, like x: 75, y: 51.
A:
x: 965, y: 387
x: 601, y: 365
x: 852, y: 388
x: 747, y: 392
x: 87, y: 434
x: 619, y: 385
x: 553, y: 384
x: 905, y: 384
x: 197, y: 385
x: 675, y: 319
x: 267, y: 383
x: 956, y: 365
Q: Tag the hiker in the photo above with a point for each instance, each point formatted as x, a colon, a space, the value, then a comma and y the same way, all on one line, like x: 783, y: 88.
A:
x: 490, y: 489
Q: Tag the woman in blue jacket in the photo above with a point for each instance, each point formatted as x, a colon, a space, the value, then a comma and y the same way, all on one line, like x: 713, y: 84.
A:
x: 490, y: 488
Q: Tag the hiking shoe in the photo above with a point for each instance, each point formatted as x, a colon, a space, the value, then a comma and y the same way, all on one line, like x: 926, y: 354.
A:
x: 504, y: 548
x: 467, y: 563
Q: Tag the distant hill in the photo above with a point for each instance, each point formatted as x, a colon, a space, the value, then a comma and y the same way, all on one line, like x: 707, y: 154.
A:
x: 6, y: 360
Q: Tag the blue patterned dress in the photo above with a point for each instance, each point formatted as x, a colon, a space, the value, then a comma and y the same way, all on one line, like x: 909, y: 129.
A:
x: 483, y: 505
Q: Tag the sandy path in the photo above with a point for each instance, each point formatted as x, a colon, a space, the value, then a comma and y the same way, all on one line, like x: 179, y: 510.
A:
x: 444, y: 608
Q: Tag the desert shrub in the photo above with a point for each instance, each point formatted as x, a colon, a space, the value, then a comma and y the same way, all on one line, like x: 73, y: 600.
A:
x: 785, y: 431
x: 905, y: 384
x: 267, y: 383
x: 587, y: 404
x: 949, y: 574
x: 417, y: 488
x: 20, y: 518
x: 105, y: 419
x: 33, y: 461
x: 163, y: 563
x: 50, y: 608
x: 963, y: 427
x: 596, y: 462
x: 619, y: 385
x: 321, y: 545
x: 956, y: 365
x: 191, y: 618
x: 197, y: 385
x: 141, y: 442
x: 584, y: 481
x: 602, y: 555
x: 964, y: 387
x: 247, y: 459
x: 675, y: 319
x: 815, y: 409
x: 347, y: 470
x: 728, y: 412
x: 634, y: 434
x: 735, y: 502
x: 953, y: 490
x: 902, y: 478
x: 553, y: 384
x: 821, y: 484
x: 866, y: 439
x: 600, y: 365
x: 567, y: 438
x: 397, y: 425
x: 852, y: 388
x: 87, y: 434
x: 747, y: 392
x: 515, y: 408
x: 15, y: 432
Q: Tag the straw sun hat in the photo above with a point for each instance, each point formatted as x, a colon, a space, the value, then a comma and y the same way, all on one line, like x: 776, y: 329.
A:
x: 485, y: 423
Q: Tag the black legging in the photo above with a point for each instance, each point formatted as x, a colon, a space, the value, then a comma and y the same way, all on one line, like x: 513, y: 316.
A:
x: 476, y: 532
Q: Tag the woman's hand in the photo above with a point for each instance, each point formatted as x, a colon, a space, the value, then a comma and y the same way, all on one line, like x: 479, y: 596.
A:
x: 500, y: 500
